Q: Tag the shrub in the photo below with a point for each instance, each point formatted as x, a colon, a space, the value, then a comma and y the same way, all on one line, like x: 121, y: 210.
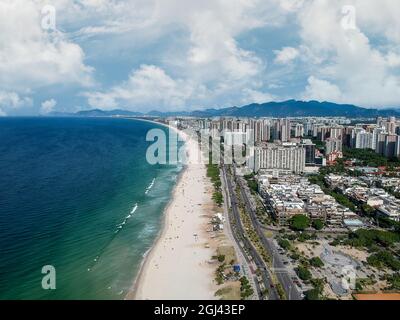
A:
x: 285, y: 244
x: 221, y: 258
x: 384, y: 259
x: 303, y: 273
x: 312, y: 294
x: 318, y: 224
x: 299, y: 222
x: 316, y: 262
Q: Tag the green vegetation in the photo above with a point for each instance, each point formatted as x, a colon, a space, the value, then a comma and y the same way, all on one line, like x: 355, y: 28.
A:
x: 219, y: 274
x: 342, y: 199
x: 316, y: 292
x: 250, y: 231
x: 251, y: 182
x: 312, y: 294
x: 245, y: 288
x: 361, y: 283
x: 304, y: 236
x: 384, y: 259
x: 318, y: 224
x: 218, y: 198
x: 280, y: 291
x: 213, y: 174
x: 387, y: 223
x: 319, y: 180
x: 318, y: 143
x: 295, y: 256
x: 300, y: 236
x: 303, y: 273
x: 221, y: 258
x: 394, y: 281
x: 226, y: 254
x: 316, y: 262
x: 368, y: 157
x: 299, y: 222
x: 368, y: 238
x: 368, y: 210
x: 285, y: 244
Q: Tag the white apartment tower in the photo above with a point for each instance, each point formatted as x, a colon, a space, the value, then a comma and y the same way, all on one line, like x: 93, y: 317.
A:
x: 291, y: 158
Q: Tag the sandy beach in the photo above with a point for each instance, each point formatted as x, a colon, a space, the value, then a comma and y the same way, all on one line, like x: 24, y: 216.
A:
x: 178, y: 267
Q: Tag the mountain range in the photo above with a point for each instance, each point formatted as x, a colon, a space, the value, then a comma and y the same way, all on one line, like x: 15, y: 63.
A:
x: 290, y: 108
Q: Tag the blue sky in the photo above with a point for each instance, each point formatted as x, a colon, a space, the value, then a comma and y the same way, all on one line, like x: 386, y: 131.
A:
x: 143, y: 55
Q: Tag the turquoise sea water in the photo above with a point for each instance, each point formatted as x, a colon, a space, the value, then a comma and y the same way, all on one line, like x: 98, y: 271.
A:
x: 78, y: 194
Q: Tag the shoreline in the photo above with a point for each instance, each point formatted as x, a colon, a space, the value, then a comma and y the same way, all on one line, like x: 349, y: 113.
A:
x: 159, y: 256
x: 132, y: 291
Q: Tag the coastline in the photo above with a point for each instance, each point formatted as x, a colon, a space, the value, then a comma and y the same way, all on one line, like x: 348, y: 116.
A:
x: 168, y: 267
x: 132, y: 291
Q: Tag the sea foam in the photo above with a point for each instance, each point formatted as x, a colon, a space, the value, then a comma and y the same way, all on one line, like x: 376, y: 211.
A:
x: 150, y: 186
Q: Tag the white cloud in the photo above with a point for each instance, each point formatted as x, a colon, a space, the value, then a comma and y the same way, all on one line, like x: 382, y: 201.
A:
x: 208, y: 54
x: 197, y: 55
x: 355, y: 71
x: 254, y: 96
x: 379, y: 18
x: 147, y: 87
x: 31, y: 57
x: 11, y: 101
x: 48, y: 106
x: 291, y: 5
x: 393, y: 59
x: 321, y: 90
x: 286, y: 55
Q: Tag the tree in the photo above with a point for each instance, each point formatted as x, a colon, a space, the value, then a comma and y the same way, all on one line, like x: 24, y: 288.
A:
x: 384, y: 259
x: 394, y: 281
x: 367, y: 210
x: 218, y: 198
x: 221, y: 258
x: 313, y: 294
x: 303, y: 273
x: 318, y: 224
x: 316, y: 262
x: 285, y: 244
x: 299, y: 222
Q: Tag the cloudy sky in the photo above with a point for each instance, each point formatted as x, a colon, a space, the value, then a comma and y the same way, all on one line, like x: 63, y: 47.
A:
x: 189, y: 54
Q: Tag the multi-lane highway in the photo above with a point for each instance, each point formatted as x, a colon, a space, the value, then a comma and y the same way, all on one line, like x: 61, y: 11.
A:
x: 244, y: 242
x: 292, y: 293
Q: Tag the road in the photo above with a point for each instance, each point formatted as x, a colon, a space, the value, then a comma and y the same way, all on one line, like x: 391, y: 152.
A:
x: 242, y: 256
x: 280, y: 270
x: 245, y: 243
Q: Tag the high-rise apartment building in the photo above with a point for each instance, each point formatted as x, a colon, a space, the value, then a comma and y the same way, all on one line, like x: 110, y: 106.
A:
x: 282, y: 157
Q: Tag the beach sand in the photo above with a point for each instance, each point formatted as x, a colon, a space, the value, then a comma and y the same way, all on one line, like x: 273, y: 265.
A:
x: 178, y: 266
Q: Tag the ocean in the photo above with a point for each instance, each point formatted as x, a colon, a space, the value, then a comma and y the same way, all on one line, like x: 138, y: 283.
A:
x: 79, y: 195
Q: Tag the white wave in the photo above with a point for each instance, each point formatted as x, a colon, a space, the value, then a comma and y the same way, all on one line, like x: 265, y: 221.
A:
x: 150, y: 186
x: 133, y: 210
x: 121, y: 225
